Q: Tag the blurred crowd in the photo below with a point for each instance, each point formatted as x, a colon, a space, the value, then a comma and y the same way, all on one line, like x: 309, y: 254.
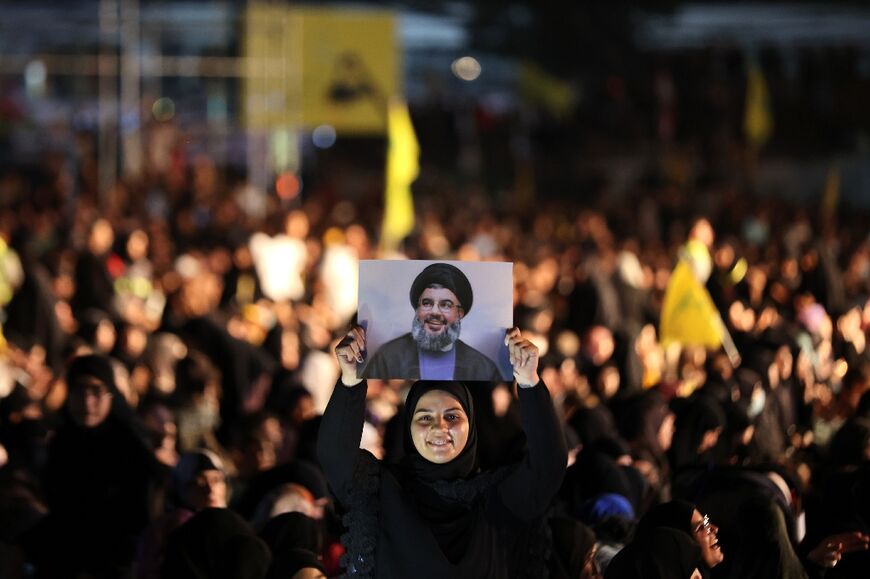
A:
x: 167, y: 352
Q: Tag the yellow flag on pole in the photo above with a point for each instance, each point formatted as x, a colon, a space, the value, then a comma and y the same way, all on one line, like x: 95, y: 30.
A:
x: 403, y: 166
x: 757, y: 120
x: 689, y: 316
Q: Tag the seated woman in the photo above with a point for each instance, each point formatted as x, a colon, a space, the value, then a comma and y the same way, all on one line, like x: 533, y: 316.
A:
x: 434, y: 515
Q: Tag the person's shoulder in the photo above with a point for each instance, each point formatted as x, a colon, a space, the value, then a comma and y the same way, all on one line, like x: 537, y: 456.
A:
x: 388, y: 354
x: 476, y: 364
x: 472, y: 352
x: 402, y: 341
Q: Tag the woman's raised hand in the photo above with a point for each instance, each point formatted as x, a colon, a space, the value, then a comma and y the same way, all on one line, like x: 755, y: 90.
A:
x: 350, y: 353
x: 523, y: 356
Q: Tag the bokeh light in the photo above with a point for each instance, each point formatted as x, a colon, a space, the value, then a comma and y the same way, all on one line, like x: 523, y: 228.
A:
x: 287, y: 186
x: 323, y: 136
x: 466, y: 68
x: 163, y: 109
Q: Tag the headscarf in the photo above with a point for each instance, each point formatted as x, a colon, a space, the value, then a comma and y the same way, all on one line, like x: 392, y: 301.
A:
x: 640, y: 420
x: 293, y: 530
x: 572, y: 541
x: 461, y: 466
x: 604, y: 506
x: 292, y: 561
x: 190, y: 464
x: 662, y: 554
x: 699, y: 415
x: 676, y: 514
x: 215, y: 543
x: 100, y: 367
x: 295, y: 540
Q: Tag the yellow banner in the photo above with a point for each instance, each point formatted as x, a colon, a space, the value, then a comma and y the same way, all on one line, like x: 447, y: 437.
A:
x: 272, y: 75
x: 403, y: 166
x: 689, y: 316
x: 319, y: 66
x: 757, y: 120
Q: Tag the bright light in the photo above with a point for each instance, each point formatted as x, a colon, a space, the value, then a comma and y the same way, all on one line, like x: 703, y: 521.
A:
x: 323, y: 136
x: 35, y: 74
x: 163, y: 109
x: 466, y: 68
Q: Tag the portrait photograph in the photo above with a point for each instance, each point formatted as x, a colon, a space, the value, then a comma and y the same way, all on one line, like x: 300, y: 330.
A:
x: 436, y: 320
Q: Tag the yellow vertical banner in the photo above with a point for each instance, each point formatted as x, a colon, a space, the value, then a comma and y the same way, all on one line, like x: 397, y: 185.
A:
x: 757, y: 119
x: 272, y: 77
x: 689, y: 316
x: 403, y: 166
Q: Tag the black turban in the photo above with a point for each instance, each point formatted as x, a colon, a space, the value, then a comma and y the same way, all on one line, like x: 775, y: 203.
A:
x: 446, y: 275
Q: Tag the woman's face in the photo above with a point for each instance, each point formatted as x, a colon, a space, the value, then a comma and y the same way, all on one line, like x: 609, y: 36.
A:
x: 439, y: 427
x: 208, y: 489
x: 705, y: 534
x: 90, y: 402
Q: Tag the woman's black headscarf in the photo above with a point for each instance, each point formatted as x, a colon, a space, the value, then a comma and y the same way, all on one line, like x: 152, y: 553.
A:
x: 100, y: 367
x: 661, y: 554
x: 676, y: 514
x: 295, y: 540
x: 698, y: 416
x: 461, y: 466
x: 215, y: 543
x: 572, y: 541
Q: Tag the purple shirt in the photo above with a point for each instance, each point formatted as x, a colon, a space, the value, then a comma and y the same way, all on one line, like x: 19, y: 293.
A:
x: 437, y: 365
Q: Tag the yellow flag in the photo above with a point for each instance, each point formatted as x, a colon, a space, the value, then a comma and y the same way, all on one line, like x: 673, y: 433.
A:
x: 310, y: 66
x: 553, y: 94
x: 689, y: 316
x: 403, y: 166
x: 757, y: 121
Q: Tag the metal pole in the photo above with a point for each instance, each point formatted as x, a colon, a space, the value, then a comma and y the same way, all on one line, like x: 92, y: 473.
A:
x: 107, y: 140
x: 131, y: 74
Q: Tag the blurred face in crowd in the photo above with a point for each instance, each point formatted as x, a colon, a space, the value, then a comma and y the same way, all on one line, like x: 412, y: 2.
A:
x: 705, y: 533
x: 599, y: 345
x: 439, y: 427
x: 90, y: 401
x: 101, y: 238
x: 137, y: 245
x: 208, y: 490
x: 438, y: 319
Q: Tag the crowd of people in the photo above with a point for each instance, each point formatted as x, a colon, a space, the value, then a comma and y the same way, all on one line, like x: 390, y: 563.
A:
x: 169, y: 351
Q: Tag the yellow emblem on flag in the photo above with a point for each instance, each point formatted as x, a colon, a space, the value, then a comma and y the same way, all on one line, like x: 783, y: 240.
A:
x: 689, y: 316
x: 403, y: 166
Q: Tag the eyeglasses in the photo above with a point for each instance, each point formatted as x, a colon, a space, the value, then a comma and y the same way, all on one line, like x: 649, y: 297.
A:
x: 704, y: 526
x: 444, y: 306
